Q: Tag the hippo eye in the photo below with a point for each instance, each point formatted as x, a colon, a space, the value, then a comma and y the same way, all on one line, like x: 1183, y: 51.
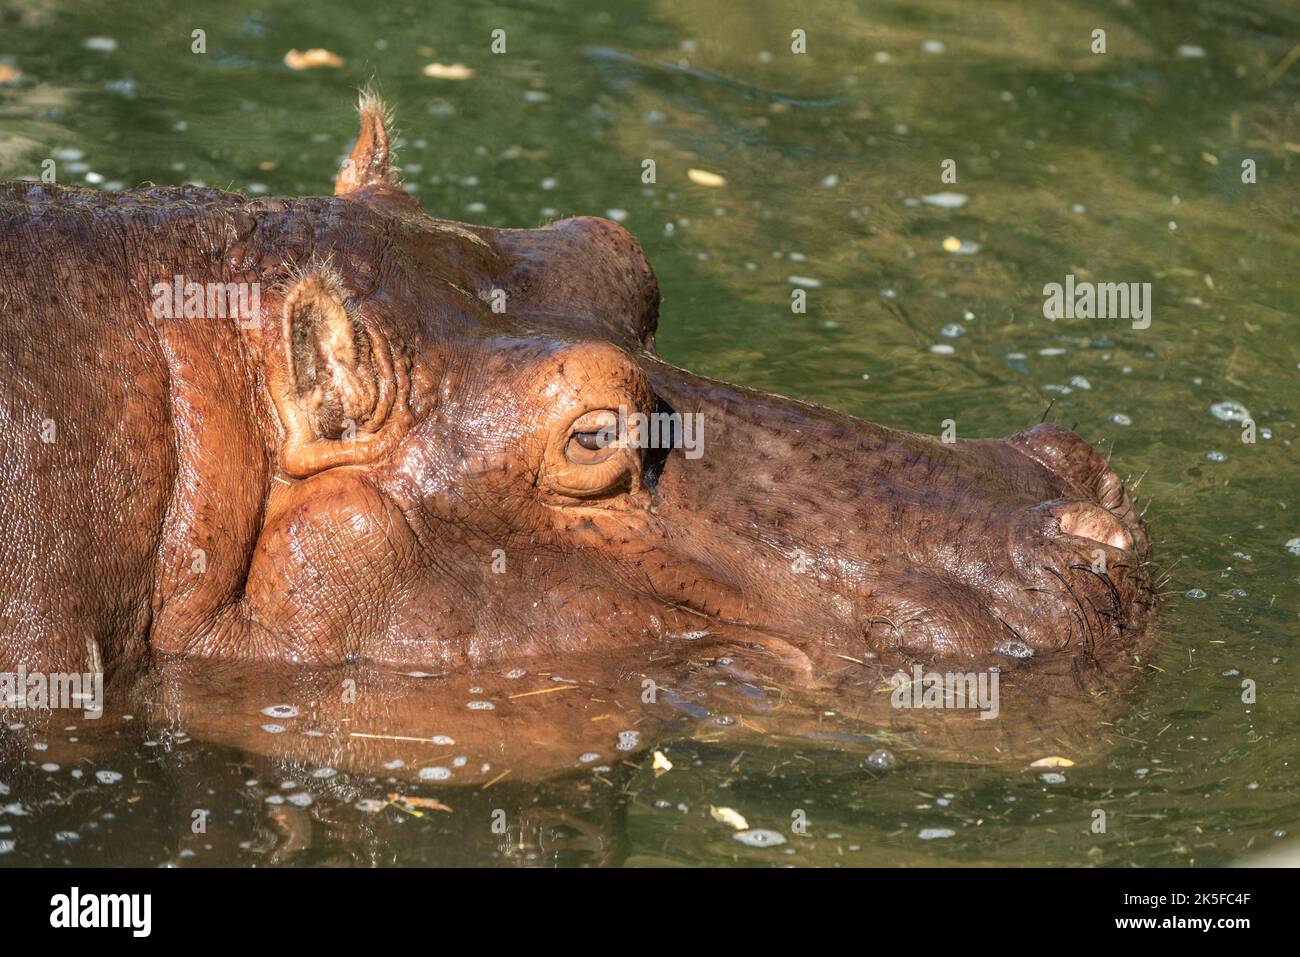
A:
x: 598, y: 456
x: 591, y: 441
x: 594, y: 438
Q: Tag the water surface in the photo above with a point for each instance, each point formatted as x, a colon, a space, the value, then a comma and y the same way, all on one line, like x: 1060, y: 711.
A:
x: 1117, y: 167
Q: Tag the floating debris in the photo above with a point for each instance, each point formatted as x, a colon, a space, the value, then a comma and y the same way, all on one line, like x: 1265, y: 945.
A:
x: 946, y: 200
x: 702, y: 177
x: 312, y: 59
x: 729, y: 816
x: 1053, y: 762
x: 448, y: 71
x: 661, y: 762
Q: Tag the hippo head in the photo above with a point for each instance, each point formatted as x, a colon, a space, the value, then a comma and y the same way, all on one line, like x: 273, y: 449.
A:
x: 481, y: 456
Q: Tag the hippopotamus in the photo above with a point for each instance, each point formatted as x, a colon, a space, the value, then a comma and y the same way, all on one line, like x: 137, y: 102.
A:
x: 330, y: 429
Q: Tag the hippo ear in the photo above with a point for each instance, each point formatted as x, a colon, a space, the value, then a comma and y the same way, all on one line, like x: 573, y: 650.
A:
x: 339, y: 396
x: 370, y: 163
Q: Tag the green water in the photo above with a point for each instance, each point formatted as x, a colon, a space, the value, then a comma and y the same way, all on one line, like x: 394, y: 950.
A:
x: 1117, y: 167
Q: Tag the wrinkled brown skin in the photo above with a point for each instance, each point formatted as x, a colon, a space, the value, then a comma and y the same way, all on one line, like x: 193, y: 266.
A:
x: 800, y: 529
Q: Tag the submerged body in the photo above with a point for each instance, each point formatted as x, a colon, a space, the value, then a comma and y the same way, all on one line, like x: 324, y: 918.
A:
x: 403, y: 448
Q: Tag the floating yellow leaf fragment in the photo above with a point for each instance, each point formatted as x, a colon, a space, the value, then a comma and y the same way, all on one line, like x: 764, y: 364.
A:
x: 1053, y: 762
x: 702, y: 177
x: 448, y: 71
x: 729, y: 816
x: 311, y: 58
x: 429, y: 804
x: 661, y: 762
x: 9, y: 74
x: 1210, y: 158
x: 951, y: 244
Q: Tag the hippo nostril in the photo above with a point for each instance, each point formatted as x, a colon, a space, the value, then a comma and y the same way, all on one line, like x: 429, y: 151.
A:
x: 1085, y: 520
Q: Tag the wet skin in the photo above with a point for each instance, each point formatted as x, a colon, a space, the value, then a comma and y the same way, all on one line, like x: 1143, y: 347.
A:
x: 386, y: 468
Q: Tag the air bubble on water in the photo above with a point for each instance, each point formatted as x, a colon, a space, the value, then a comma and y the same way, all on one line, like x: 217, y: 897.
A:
x: 40, y: 746
x: 616, y: 214
x: 273, y: 728
x: 459, y: 762
x: 324, y: 773
x: 880, y: 760
x: 1119, y: 418
x: 952, y: 331
x: 942, y: 349
x: 434, y: 774
x: 1052, y: 351
x: 1229, y: 410
x: 301, y: 799
x: 1216, y: 456
x: 49, y: 767
x: 1079, y: 382
x: 280, y: 711
x: 549, y: 183
x: 1052, y: 777
x: 7, y: 847
x: 805, y: 281
x: 1195, y: 594
x: 66, y: 837
x: 946, y: 200
x: 936, y: 833
x: 394, y: 764
x: 481, y: 706
x: 1293, y: 546
x: 100, y: 44
x: 369, y: 805
x: 1231, y: 673
x: 888, y: 294
x: 588, y: 756
x: 516, y: 673
x: 933, y: 46
x: 725, y: 720
x: 442, y: 739
x: 1191, y: 51
x: 759, y: 837
x: 274, y: 799
x: 108, y: 777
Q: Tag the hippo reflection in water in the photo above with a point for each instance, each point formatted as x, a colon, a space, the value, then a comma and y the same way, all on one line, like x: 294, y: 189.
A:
x: 408, y: 454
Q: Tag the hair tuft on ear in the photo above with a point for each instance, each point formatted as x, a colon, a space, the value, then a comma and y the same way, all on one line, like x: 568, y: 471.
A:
x: 370, y: 162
